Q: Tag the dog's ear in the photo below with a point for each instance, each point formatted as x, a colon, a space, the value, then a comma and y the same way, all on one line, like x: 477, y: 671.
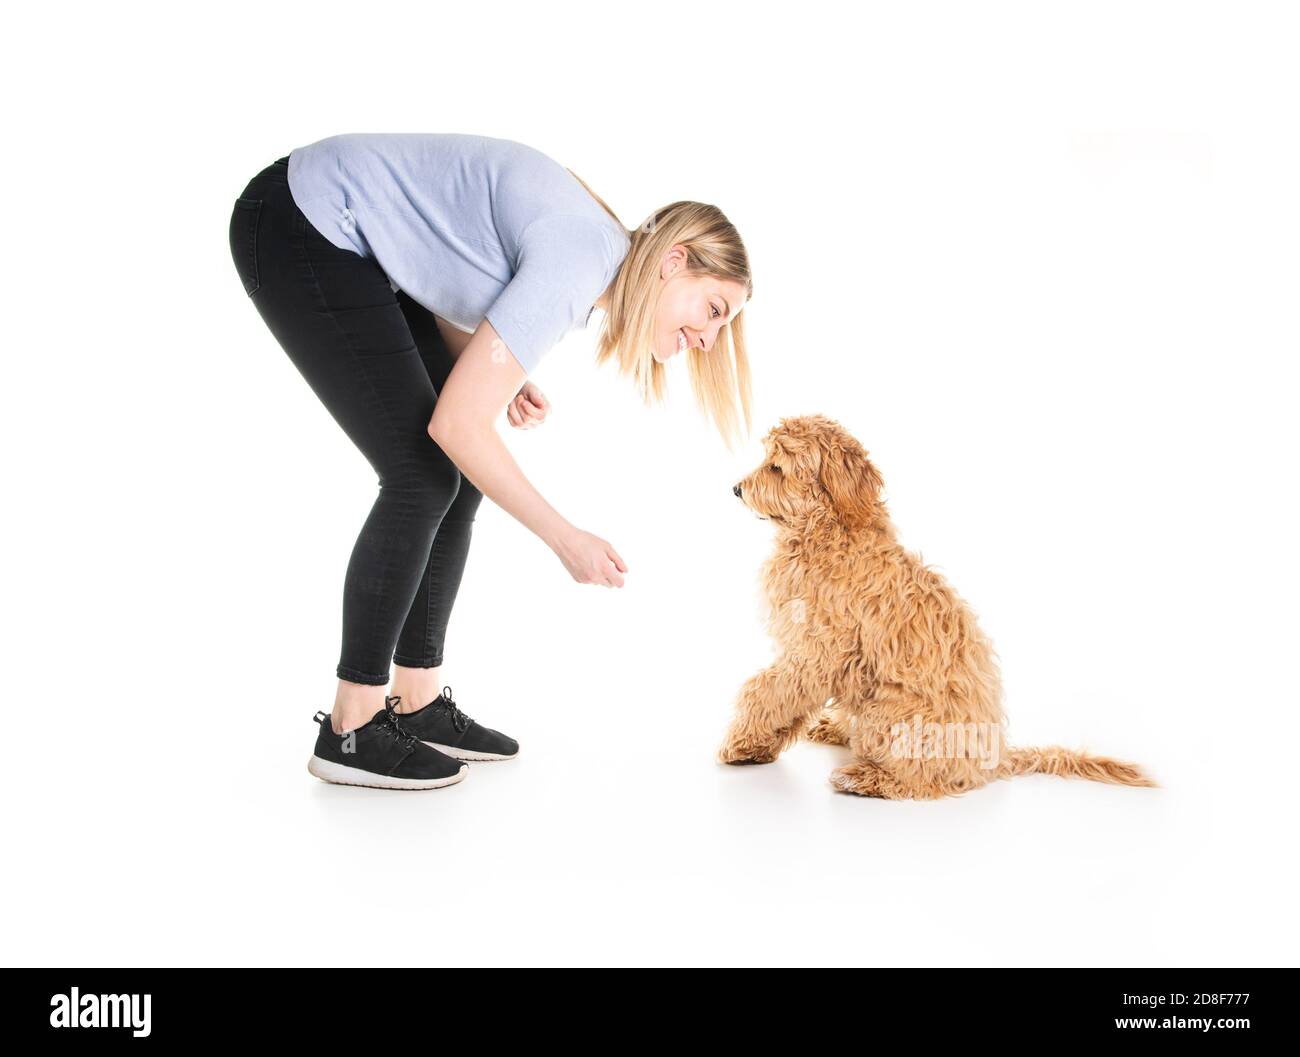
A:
x: 850, y: 480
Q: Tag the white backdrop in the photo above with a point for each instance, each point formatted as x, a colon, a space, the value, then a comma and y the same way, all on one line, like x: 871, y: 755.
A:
x: 1040, y: 258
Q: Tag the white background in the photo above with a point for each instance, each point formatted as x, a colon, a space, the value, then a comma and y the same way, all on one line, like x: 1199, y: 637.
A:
x: 1041, y: 258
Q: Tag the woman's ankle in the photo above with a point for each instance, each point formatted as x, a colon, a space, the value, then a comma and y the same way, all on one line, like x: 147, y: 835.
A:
x: 355, y: 705
x: 415, y: 686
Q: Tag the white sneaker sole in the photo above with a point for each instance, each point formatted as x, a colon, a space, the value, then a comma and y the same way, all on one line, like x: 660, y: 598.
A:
x: 469, y: 754
x: 329, y: 771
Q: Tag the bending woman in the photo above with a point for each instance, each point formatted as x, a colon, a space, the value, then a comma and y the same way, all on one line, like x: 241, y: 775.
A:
x: 415, y: 280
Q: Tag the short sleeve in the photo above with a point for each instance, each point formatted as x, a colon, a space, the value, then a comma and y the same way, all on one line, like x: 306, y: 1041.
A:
x: 564, y: 265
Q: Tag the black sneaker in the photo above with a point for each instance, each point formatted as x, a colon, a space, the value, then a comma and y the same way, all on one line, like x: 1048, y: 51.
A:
x: 443, y: 726
x: 380, y: 754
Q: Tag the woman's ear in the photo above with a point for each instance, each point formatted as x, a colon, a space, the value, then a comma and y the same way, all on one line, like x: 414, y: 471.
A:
x: 851, y: 481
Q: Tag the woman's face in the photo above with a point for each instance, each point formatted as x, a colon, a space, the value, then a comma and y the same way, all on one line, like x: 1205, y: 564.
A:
x: 692, y: 308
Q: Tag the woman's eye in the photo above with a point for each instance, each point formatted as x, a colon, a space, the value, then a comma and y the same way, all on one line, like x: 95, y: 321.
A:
x: 717, y: 312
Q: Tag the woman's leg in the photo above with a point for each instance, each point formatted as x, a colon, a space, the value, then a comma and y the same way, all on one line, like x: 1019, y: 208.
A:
x: 337, y: 317
x: 417, y: 660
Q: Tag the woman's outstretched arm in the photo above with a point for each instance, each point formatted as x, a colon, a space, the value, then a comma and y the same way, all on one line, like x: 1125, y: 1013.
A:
x: 483, y: 381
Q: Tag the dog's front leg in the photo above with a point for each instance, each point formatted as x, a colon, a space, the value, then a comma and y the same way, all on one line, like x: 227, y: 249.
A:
x: 774, y: 708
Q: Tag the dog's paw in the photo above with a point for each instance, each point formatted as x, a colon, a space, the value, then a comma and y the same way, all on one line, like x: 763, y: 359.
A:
x: 736, y: 752
x: 828, y: 732
x: 855, y: 780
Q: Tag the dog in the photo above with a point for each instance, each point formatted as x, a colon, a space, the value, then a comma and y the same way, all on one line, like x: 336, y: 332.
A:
x: 876, y: 651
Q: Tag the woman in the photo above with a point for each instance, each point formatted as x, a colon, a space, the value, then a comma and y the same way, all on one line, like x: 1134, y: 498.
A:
x: 415, y: 280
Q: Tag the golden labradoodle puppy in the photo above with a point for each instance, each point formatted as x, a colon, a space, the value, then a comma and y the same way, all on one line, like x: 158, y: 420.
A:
x: 916, y: 689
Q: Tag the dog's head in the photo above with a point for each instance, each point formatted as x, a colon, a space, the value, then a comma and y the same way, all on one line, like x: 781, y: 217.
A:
x: 812, y: 465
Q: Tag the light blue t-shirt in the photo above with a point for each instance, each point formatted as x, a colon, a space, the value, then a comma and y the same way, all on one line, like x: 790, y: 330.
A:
x: 469, y: 227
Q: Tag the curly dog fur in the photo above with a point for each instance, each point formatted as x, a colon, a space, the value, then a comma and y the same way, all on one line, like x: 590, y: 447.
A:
x: 876, y: 651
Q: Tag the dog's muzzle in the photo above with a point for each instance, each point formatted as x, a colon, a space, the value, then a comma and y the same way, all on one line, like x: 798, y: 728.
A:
x: 736, y: 491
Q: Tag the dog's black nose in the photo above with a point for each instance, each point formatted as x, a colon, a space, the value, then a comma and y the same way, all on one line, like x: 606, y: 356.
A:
x: 736, y: 491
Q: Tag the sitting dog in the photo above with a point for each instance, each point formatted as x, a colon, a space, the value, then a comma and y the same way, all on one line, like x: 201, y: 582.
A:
x: 877, y: 651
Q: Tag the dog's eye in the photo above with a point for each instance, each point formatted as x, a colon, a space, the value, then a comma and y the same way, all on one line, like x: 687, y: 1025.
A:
x: 775, y: 468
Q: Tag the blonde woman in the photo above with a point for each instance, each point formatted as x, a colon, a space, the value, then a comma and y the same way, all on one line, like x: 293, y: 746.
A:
x: 415, y: 280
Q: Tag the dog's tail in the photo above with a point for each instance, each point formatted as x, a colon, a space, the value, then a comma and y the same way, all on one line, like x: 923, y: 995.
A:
x: 1067, y: 763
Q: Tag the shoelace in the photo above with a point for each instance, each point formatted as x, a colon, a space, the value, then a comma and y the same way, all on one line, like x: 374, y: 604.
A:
x: 458, y: 718
x: 392, y: 726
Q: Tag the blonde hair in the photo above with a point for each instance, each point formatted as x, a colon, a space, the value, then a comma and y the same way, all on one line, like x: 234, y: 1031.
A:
x: 720, y: 378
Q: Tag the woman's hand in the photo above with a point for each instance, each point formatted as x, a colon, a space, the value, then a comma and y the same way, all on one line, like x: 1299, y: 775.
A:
x: 590, y: 559
x: 529, y: 407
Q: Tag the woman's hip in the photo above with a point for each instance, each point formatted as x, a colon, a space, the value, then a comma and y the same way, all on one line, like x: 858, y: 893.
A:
x: 338, y: 318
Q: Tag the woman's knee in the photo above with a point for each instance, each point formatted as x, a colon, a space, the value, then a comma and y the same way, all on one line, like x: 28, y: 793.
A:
x: 465, y: 505
x: 429, y: 482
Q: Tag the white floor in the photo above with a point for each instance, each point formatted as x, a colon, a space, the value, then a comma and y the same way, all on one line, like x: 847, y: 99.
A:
x: 583, y: 852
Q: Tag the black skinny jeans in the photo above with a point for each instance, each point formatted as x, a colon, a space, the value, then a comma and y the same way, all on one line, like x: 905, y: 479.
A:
x: 376, y: 360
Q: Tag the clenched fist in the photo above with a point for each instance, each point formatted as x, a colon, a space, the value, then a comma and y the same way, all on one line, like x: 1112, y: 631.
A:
x: 529, y: 408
